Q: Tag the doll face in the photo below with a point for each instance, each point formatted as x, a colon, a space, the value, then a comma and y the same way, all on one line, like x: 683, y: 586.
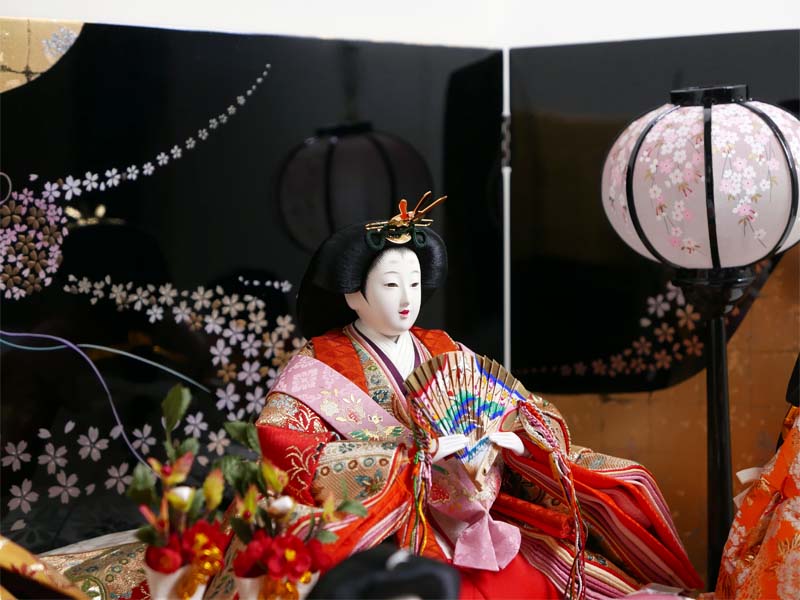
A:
x: 392, y: 293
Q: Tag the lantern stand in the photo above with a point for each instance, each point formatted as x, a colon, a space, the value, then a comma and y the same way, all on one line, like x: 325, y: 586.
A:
x: 715, y: 292
x: 713, y: 288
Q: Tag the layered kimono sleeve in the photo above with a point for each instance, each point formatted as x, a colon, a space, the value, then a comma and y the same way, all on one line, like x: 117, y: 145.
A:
x: 627, y: 517
x: 376, y: 472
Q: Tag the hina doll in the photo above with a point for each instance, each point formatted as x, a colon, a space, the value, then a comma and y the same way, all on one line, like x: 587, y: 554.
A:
x: 550, y: 520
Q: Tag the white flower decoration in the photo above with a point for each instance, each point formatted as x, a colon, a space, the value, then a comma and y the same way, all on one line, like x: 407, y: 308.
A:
x: 91, y: 445
x: 53, y: 457
x: 249, y: 373
x: 66, y: 488
x: 118, y: 478
x: 71, y: 187
x: 112, y: 178
x: 51, y: 191
x: 90, y: 181
x: 16, y: 455
x: 220, y: 352
x: 143, y: 438
x: 228, y: 398
x: 218, y: 442
x: 195, y: 426
x: 22, y: 497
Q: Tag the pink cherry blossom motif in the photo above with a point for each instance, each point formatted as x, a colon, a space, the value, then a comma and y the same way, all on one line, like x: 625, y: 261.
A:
x: 674, y: 241
x: 676, y: 231
x: 697, y: 159
x: 689, y: 245
x: 745, y: 210
x: 739, y: 164
x: 666, y: 166
x: 687, y: 215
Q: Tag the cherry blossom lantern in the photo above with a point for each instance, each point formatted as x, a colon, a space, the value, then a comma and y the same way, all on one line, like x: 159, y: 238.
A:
x: 707, y: 185
x: 712, y: 177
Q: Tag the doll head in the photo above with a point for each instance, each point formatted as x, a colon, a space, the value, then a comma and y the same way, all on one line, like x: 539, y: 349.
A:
x: 346, y: 277
x: 390, y: 299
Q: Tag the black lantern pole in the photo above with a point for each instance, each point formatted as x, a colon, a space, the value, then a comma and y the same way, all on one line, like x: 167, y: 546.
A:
x: 715, y: 292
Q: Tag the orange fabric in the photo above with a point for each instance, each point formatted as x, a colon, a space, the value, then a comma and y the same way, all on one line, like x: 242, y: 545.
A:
x: 518, y: 580
x: 590, y: 483
x: 435, y: 340
x: 336, y: 350
x: 551, y: 522
x: 761, y: 558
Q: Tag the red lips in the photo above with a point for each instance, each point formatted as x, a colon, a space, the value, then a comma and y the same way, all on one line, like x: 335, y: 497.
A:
x: 405, y: 312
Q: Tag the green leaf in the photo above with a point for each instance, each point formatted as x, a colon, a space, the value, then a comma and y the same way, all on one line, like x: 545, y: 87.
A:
x: 352, y: 507
x: 241, y: 529
x: 237, y: 430
x: 142, y: 489
x: 197, y: 506
x: 232, y: 470
x: 251, y: 438
x: 174, y: 406
x: 189, y: 445
x: 326, y: 537
x: 172, y: 454
x: 249, y: 475
x: 311, y: 528
x: 148, y: 535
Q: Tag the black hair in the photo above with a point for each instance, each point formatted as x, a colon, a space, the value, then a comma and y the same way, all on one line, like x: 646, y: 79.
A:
x: 341, y: 265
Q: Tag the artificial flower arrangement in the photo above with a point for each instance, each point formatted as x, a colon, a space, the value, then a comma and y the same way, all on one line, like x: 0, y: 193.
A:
x: 274, y: 562
x: 184, y: 533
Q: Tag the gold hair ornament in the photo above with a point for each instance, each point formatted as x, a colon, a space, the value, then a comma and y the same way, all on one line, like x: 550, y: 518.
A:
x: 403, y: 227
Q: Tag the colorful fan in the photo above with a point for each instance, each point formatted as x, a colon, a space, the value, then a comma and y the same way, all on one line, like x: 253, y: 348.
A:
x: 459, y: 392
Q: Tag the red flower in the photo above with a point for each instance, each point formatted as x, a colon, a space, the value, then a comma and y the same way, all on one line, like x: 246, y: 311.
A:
x: 250, y: 561
x: 202, y: 536
x: 165, y: 559
x: 289, y: 558
x: 320, y: 559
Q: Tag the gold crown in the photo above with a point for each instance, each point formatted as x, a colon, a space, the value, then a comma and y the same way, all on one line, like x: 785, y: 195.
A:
x: 401, y: 227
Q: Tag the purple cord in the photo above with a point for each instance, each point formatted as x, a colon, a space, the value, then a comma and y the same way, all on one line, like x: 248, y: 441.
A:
x: 96, y: 372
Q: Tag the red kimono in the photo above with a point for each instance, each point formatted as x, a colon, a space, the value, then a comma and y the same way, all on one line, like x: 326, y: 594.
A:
x: 557, y: 517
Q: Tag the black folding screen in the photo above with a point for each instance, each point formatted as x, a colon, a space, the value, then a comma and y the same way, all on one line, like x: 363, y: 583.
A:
x: 588, y: 313
x: 210, y: 165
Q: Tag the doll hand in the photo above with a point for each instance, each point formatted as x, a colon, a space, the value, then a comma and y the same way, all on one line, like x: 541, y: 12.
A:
x: 508, y: 440
x: 447, y: 445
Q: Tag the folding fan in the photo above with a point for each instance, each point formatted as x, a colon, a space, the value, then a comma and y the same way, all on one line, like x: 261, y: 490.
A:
x: 459, y: 392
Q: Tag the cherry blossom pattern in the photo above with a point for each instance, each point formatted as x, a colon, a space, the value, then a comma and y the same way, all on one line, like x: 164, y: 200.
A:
x: 66, y: 487
x: 15, y: 455
x: 91, y: 444
x: 672, y: 164
x: 118, y: 478
x: 32, y: 231
x: 72, y: 186
x: 22, y: 496
x: 245, y: 352
x: 669, y: 337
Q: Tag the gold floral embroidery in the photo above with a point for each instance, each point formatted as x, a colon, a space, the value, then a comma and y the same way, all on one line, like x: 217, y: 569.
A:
x: 301, y: 461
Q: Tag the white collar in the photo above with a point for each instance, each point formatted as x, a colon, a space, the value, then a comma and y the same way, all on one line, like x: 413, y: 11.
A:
x: 400, y: 351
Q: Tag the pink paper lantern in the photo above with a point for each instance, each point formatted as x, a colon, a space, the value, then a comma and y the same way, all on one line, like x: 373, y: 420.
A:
x: 689, y: 212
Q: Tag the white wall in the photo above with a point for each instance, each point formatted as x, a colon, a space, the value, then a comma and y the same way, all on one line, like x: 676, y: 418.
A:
x: 481, y: 23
